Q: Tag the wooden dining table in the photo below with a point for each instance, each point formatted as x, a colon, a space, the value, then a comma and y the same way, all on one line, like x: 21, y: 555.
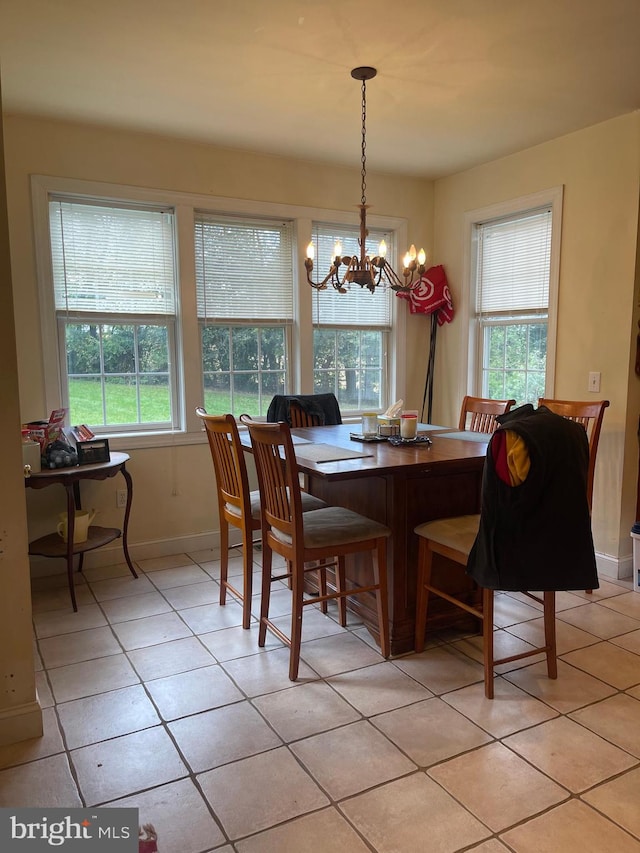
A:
x: 400, y: 486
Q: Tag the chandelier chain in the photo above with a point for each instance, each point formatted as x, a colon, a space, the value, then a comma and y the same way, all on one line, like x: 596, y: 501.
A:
x: 364, y: 141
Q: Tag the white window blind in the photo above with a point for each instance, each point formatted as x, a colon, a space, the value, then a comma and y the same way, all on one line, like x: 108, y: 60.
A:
x: 359, y: 307
x: 109, y: 259
x: 244, y: 269
x: 514, y: 264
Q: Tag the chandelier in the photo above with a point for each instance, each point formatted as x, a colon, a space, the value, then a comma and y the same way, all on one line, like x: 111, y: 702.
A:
x: 366, y: 271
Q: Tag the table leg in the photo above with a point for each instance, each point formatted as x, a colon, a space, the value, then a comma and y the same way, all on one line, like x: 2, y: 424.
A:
x: 78, y: 503
x: 125, y: 524
x: 71, y: 518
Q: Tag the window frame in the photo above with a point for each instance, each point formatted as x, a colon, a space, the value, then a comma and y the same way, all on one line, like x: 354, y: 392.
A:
x: 471, y: 364
x: 135, y: 315
x: 232, y: 373
x: 382, y: 370
x: 325, y: 234
x: 248, y: 313
x: 187, y: 332
x: 169, y: 321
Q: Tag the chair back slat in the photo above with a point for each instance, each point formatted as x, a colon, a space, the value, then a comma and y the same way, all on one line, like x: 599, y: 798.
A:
x: 300, y: 418
x: 590, y: 415
x: 478, y: 414
x: 277, y: 471
x: 236, y: 506
x: 228, y: 460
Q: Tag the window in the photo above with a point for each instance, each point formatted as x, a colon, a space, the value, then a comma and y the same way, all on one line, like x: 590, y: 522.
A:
x: 244, y: 284
x: 350, y: 330
x: 513, y: 304
x: 114, y: 292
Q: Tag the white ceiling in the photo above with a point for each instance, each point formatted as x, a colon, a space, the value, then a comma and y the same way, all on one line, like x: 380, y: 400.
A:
x: 460, y: 82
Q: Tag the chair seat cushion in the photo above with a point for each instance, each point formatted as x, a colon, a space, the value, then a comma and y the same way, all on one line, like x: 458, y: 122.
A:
x: 335, y: 525
x: 458, y: 533
x: 309, y: 502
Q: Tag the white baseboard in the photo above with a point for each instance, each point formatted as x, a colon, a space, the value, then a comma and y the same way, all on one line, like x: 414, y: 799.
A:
x: 20, y: 723
x: 615, y: 568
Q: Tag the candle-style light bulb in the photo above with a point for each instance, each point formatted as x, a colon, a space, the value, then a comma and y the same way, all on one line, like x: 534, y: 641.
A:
x: 382, y: 249
x: 422, y: 257
x: 412, y: 252
x: 337, y: 249
x: 406, y: 260
x: 311, y: 251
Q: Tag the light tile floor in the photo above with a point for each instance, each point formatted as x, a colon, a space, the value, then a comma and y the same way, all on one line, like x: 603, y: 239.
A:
x: 155, y: 697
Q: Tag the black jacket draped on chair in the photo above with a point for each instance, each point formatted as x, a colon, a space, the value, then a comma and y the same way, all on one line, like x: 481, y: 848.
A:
x: 537, y: 535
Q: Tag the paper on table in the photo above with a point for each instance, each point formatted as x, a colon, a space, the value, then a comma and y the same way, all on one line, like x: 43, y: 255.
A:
x: 466, y: 435
x: 328, y: 453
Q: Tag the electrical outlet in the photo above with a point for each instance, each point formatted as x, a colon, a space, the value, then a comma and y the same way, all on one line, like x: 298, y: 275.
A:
x: 594, y: 381
x: 121, y: 498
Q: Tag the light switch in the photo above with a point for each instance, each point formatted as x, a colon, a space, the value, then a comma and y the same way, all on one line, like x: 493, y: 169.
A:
x: 594, y: 381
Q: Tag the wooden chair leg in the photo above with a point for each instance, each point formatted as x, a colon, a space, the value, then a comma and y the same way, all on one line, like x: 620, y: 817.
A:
x: 487, y: 640
x: 425, y: 561
x: 550, y: 633
x: 380, y: 578
x: 247, y: 577
x: 341, y: 587
x: 296, y: 621
x: 224, y: 560
x: 322, y: 583
x: 267, y: 560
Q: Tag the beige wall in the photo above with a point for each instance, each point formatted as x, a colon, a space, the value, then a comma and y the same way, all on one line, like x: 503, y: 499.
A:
x: 173, y: 495
x: 20, y: 713
x: 599, y: 169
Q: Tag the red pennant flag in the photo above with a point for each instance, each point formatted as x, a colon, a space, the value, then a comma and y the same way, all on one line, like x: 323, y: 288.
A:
x: 431, y: 294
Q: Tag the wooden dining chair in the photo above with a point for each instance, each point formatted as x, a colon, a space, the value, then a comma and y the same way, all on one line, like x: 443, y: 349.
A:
x: 590, y: 415
x: 238, y: 506
x: 533, y: 533
x: 478, y: 414
x: 305, y: 410
x: 453, y: 538
x: 324, y: 537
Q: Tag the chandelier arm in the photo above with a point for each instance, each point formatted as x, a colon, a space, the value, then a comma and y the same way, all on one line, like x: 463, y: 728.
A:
x: 322, y: 285
x: 335, y: 277
x: 337, y: 284
x: 395, y: 282
x: 352, y: 263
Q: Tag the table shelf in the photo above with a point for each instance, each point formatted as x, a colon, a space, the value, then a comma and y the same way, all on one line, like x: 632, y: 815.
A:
x: 53, y: 545
x: 70, y: 478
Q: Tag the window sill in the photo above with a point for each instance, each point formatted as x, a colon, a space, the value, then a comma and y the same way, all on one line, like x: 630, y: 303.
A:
x: 148, y: 440
x: 141, y: 441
